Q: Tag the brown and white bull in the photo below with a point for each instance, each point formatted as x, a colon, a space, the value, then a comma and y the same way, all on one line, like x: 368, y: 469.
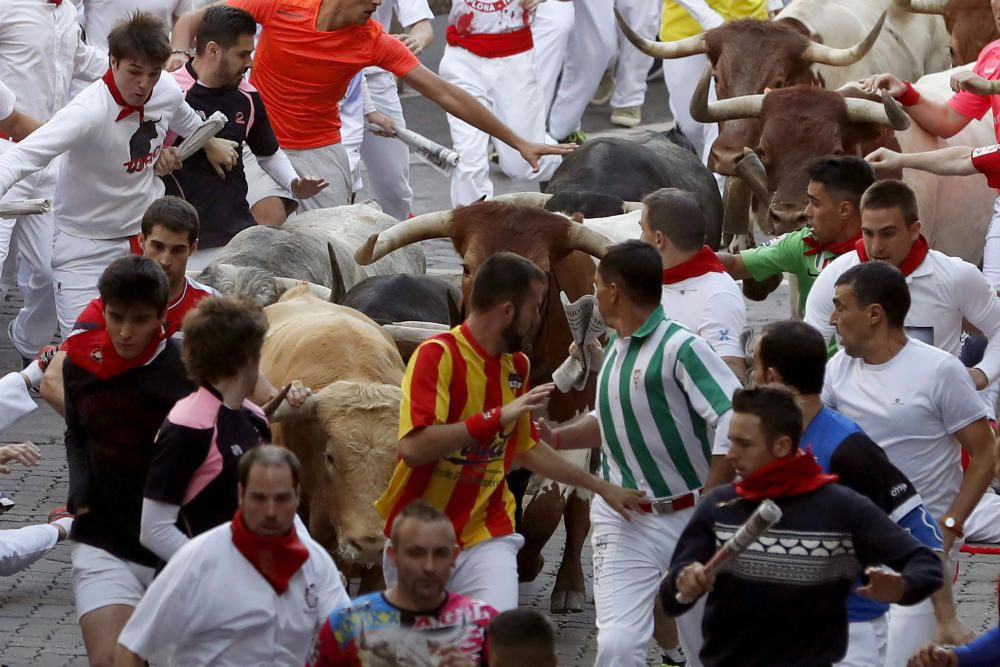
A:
x: 970, y: 23
x: 564, y: 249
x: 345, y: 434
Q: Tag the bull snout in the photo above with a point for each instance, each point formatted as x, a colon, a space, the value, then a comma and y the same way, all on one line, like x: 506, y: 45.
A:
x: 786, y: 217
x: 367, y: 549
x: 723, y: 157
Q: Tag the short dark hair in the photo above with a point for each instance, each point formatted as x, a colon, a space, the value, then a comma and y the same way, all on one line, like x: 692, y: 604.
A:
x: 221, y: 336
x: 797, y: 351
x: 223, y: 25
x: 504, y: 277
x: 845, y: 177
x: 140, y: 36
x: 892, y: 194
x: 271, y: 456
x: 173, y: 214
x: 522, y: 629
x: 879, y: 283
x: 677, y: 215
x: 777, y: 409
x: 418, y: 510
x: 636, y: 267
x: 134, y: 280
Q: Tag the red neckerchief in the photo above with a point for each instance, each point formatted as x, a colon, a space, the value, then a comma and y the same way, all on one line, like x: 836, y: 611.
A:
x: 55, y: 2
x: 917, y: 254
x: 706, y: 261
x: 790, y: 476
x: 276, y: 558
x: 838, y: 249
x: 116, y: 95
x: 89, y: 346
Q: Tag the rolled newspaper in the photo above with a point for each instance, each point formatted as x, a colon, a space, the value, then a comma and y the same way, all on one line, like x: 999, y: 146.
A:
x: 211, y: 127
x: 586, y: 326
x: 439, y: 156
x: 14, y: 209
x: 766, y: 515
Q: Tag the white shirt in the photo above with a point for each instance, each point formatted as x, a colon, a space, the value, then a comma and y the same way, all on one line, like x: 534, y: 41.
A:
x: 100, y: 16
x: 911, y: 406
x: 408, y: 12
x: 943, y: 291
x: 41, y: 49
x: 712, y: 306
x: 106, y: 181
x: 210, y: 606
x: 7, y: 101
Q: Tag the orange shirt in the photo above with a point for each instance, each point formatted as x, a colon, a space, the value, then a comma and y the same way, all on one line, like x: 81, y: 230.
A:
x: 303, y: 73
x: 449, y: 379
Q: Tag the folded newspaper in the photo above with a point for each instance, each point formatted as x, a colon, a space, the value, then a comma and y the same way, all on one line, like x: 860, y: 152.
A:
x: 13, y: 209
x: 585, y: 325
x: 205, y: 131
x: 444, y: 159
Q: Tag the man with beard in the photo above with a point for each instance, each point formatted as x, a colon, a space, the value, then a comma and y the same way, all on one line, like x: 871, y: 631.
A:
x: 417, y: 617
x: 465, y: 421
x: 212, y: 82
x: 663, y: 410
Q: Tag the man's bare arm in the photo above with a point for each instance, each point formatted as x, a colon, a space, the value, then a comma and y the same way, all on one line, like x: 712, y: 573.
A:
x: 18, y: 125
x: 125, y: 658
x: 52, y: 390
x: 734, y: 265
x: 952, y: 161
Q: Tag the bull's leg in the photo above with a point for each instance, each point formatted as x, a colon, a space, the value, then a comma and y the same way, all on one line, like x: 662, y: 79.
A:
x: 568, y: 594
x: 540, y: 519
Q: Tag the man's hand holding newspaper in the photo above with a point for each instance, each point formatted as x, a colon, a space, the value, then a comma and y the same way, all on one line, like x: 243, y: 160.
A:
x: 586, y: 354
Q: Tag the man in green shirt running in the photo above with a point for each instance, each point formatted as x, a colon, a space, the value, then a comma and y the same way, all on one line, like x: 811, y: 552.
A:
x: 834, y: 213
x: 662, y: 423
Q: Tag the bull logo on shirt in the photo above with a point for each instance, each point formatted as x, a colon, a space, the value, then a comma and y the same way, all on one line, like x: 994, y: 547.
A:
x: 140, y: 155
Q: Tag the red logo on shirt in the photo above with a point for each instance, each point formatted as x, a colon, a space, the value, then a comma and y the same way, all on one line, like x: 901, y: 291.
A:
x: 488, y: 5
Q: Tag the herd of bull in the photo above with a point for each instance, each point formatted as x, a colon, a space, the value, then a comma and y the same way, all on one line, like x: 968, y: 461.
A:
x: 347, y: 297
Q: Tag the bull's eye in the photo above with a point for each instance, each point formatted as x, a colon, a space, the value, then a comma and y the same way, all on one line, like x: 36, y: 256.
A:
x: 329, y: 459
x: 465, y: 270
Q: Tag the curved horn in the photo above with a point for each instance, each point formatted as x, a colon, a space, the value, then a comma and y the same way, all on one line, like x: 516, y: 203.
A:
x: 922, y: 6
x: 582, y: 238
x: 682, y: 48
x: 339, y: 289
x: 630, y: 206
x: 409, y: 335
x: 318, y: 291
x: 420, y: 228
x: 285, y: 411
x: 736, y: 207
x: 866, y: 111
x: 828, y: 55
x: 538, y: 199
x: 703, y: 111
x: 752, y: 172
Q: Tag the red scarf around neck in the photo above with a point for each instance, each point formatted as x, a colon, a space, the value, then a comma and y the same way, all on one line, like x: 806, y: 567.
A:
x: 917, y: 254
x: 838, y: 249
x: 276, y: 558
x: 790, y: 476
x: 116, y: 95
x: 706, y: 261
x: 93, y: 351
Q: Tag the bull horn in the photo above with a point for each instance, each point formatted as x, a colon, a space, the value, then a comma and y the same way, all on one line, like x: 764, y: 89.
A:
x: 630, y: 206
x: 682, y: 48
x: 828, y: 55
x: 339, y: 290
x: 420, y: 228
x: 736, y: 207
x: 703, y: 111
x: 583, y: 238
x: 536, y: 199
x: 409, y: 335
x: 752, y: 172
x: 316, y: 290
x: 922, y: 6
x: 866, y: 111
x: 286, y: 411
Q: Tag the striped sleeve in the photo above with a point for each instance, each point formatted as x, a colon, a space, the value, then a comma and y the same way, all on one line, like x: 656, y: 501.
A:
x: 709, y: 385
x: 425, y: 388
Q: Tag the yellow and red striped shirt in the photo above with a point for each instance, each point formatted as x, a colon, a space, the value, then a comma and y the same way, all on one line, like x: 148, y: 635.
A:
x: 449, y: 379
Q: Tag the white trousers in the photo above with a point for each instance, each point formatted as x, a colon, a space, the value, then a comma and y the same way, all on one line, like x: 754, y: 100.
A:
x: 15, y: 401
x: 509, y: 88
x: 486, y: 571
x: 31, y: 235
x: 681, y: 76
x: 329, y: 162
x: 590, y: 52
x: 77, y: 265
x: 352, y: 128
x: 983, y: 524
x: 633, y: 65
x: 909, y: 629
x: 991, y: 251
x: 867, y: 642
x: 550, y: 31
x: 630, y: 558
x: 387, y: 160
x: 20, y: 547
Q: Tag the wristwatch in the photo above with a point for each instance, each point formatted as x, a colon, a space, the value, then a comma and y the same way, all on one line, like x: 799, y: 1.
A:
x: 952, y: 524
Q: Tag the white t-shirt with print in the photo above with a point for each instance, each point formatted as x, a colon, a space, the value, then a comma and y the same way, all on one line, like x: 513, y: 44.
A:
x: 711, y: 305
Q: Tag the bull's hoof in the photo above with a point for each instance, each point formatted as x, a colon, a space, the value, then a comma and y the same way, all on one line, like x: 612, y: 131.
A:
x: 567, y: 602
x: 529, y: 568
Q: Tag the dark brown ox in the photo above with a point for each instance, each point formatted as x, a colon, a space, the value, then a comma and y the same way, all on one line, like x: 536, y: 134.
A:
x: 970, y: 24
x: 564, y: 249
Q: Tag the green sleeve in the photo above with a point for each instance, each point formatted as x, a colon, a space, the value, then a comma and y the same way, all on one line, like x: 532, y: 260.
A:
x: 782, y: 255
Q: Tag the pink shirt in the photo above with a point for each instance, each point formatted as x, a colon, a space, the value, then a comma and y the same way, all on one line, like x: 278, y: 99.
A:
x: 976, y: 106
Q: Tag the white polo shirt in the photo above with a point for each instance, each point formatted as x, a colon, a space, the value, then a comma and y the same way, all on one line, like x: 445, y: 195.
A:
x: 711, y: 305
x: 944, y: 290
x: 210, y: 606
x: 99, y: 16
x: 911, y: 406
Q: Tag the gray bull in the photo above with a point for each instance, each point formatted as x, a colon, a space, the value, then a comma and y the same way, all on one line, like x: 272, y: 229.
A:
x: 316, y: 247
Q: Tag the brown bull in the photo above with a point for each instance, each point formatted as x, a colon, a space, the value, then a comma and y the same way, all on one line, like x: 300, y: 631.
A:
x: 564, y: 250
x: 345, y: 434
x: 970, y: 24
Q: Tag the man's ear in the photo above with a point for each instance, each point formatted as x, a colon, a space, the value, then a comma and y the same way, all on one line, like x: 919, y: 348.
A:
x: 772, y: 376
x: 142, y: 241
x: 783, y: 447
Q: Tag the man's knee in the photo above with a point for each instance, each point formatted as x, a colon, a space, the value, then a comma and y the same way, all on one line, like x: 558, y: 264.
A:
x: 618, y: 646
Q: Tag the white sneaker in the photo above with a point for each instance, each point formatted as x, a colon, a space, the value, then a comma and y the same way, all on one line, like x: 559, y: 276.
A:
x: 626, y: 116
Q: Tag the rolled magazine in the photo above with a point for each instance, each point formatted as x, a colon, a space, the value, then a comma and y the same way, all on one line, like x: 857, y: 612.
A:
x: 437, y: 155
x: 14, y: 209
x: 211, y: 127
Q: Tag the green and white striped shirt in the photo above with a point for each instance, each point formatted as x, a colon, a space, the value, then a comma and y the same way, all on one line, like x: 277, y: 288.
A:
x: 662, y: 395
